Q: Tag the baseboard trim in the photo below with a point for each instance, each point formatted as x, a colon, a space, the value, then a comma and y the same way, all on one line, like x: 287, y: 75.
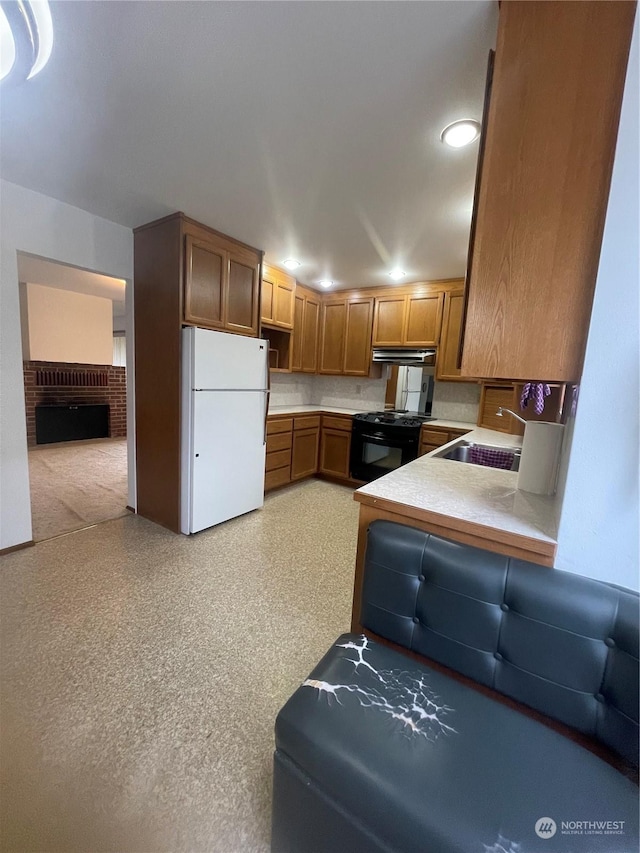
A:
x: 19, y: 547
x: 130, y: 508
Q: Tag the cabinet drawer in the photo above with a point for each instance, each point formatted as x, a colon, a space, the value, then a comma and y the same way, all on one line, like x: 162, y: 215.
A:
x: 427, y: 448
x: 279, y: 425
x: 279, y: 441
x: 279, y: 477
x: 458, y: 433
x: 337, y: 423
x: 434, y: 436
x: 277, y: 459
x: 312, y: 422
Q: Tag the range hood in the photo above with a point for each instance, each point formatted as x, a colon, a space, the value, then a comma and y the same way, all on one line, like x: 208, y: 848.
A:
x: 393, y: 355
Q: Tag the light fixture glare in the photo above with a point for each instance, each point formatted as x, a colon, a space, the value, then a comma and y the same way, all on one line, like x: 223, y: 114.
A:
x: 44, y: 26
x: 291, y: 264
x: 325, y: 282
x: 396, y: 274
x: 461, y: 133
x: 7, y: 46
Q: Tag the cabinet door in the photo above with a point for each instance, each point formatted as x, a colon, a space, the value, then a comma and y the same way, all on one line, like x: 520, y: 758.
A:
x: 283, y: 304
x: 544, y: 187
x: 267, y: 300
x: 357, y: 346
x: 446, y: 360
x: 389, y: 321
x: 298, y: 332
x: 332, y: 336
x: 242, y: 294
x: 423, y: 320
x: 304, y: 454
x: 491, y: 398
x: 205, y: 278
x: 335, y: 448
x: 310, y: 335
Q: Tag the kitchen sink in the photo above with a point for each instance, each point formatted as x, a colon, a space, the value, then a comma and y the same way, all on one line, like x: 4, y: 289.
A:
x: 463, y: 452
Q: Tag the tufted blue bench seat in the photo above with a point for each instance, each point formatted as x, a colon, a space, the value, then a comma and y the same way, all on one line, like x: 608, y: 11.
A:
x: 379, y: 751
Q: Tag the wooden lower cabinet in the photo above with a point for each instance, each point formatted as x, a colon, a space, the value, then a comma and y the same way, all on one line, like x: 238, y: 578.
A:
x: 278, y: 458
x: 304, y: 454
x: 335, y: 447
x: 431, y: 438
x: 305, y: 445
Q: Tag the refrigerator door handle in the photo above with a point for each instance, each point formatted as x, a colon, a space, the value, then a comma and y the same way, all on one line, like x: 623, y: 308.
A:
x: 267, y: 394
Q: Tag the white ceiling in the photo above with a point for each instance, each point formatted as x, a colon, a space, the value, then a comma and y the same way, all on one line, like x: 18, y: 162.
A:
x: 308, y: 129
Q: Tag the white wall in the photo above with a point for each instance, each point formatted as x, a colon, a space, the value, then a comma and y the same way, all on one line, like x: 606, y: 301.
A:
x: 599, y: 533
x: 65, y: 326
x: 33, y: 223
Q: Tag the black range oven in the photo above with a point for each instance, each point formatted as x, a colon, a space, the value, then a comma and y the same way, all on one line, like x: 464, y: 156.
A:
x: 383, y: 441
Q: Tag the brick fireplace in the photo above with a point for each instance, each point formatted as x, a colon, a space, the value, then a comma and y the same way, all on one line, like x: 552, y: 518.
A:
x: 51, y: 383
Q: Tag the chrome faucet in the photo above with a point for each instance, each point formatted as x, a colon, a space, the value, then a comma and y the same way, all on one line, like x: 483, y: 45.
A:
x: 502, y: 410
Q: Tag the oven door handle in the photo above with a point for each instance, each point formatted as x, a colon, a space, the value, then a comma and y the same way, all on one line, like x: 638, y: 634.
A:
x: 381, y: 439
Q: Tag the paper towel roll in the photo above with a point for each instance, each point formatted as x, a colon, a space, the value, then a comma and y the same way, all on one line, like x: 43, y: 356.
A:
x: 541, y: 448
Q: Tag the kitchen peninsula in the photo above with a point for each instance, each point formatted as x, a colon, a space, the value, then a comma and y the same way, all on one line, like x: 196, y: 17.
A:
x: 471, y: 504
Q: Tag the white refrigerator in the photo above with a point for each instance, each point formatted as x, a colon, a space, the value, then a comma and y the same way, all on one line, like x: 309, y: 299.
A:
x: 225, y: 398
x: 412, y: 387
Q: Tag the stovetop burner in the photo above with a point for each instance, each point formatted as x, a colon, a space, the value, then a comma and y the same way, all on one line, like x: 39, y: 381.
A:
x: 396, y: 417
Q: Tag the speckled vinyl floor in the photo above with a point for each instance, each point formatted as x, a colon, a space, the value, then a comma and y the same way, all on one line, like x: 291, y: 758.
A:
x: 142, y: 673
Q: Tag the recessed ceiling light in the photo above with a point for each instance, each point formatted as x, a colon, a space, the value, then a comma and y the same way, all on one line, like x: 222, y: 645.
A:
x: 291, y: 264
x: 461, y: 133
x: 326, y: 282
x: 26, y: 38
x: 396, y: 274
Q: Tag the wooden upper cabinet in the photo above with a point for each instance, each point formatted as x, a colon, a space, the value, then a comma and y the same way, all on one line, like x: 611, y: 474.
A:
x: 357, y: 345
x: 332, y: 336
x: 221, y: 282
x: 298, y: 331
x: 278, y: 294
x: 551, y: 131
x: 345, y: 337
x: 446, y: 359
x: 389, y: 321
x: 204, y: 293
x: 306, y: 316
x: 242, y: 295
x: 423, y: 320
x: 409, y: 320
x: 310, y: 334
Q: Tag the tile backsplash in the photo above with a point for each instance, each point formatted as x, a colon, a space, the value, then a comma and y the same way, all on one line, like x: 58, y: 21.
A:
x: 292, y: 389
x: 350, y: 392
x: 453, y: 401
x: 456, y: 401
x: 301, y: 389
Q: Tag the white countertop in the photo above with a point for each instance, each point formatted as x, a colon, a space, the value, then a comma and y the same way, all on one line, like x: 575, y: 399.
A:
x: 472, y: 493
x: 300, y: 410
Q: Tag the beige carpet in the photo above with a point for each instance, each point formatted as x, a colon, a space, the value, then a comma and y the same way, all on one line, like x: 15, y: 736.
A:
x: 76, y: 484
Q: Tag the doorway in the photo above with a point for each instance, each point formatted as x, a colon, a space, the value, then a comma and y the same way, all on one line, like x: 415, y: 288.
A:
x: 73, y: 325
